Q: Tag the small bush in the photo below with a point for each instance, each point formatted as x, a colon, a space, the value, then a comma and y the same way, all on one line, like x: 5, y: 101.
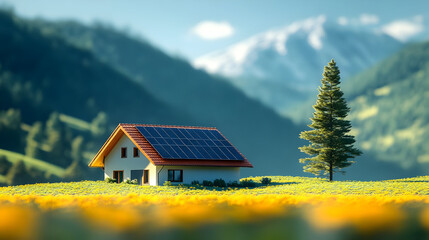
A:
x: 110, y: 180
x: 167, y: 183
x: 233, y: 184
x: 247, y: 183
x: 219, y: 183
x: 134, y: 181
x: 127, y: 181
x: 207, y: 183
x: 195, y: 182
x: 266, y: 181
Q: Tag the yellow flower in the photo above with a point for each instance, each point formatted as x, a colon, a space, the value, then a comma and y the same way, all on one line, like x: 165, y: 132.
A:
x: 17, y: 222
x: 425, y: 218
x: 113, y: 218
x: 366, y: 217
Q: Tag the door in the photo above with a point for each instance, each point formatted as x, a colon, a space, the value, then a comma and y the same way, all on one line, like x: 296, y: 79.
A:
x: 146, y: 176
x: 118, y: 176
x: 137, y: 174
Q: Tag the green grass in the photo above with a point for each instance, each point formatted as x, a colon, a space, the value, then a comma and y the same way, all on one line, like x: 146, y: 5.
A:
x: 32, y: 162
x: 280, y: 185
x: 289, y: 208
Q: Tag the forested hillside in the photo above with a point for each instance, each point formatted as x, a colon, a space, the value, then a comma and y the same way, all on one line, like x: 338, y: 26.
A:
x: 389, y: 114
x: 58, y: 103
x: 268, y: 140
x: 52, y: 85
x: 44, y: 72
x: 390, y: 105
x: 64, y: 86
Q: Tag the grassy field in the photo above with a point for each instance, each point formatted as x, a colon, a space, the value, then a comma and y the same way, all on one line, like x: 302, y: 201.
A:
x: 289, y: 208
x: 297, y: 186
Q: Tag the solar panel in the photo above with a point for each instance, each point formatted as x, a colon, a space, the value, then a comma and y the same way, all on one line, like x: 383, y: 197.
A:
x: 190, y: 143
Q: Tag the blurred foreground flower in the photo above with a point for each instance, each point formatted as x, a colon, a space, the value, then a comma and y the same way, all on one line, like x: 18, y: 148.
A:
x: 288, y: 210
x: 114, y: 218
x: 425, y: 218
x: 17, y: 222
x: 365, y: 217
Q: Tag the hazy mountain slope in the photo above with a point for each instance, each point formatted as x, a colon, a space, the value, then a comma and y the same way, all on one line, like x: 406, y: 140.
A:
x: 390, y: 105
x: 42, y: 74
x: 283, y: 67
x: 269, y: 141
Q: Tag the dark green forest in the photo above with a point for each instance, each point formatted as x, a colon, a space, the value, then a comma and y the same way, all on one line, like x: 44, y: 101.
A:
x: 45, y: 76
x: 44, y: 81
x: 390, y: 105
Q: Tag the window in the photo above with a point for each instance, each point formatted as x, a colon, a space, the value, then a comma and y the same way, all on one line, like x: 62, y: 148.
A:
x: 118, y: 176
x: 136, y: 152
x: 175, y: 175
x: 123, y: 152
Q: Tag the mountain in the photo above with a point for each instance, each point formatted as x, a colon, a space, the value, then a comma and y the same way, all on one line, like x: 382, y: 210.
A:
x: 389, y: 105
x: 58, y: 104
x: 269, y: 141
x: 283, y: 67
x: 41, y: 74
x: 81, y: 71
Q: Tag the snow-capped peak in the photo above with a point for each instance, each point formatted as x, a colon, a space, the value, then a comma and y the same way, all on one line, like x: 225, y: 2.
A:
x: 229, y: 62
x: 281, y: 66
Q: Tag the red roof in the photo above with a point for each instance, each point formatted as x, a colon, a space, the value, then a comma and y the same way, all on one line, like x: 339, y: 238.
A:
x: 147, y: 149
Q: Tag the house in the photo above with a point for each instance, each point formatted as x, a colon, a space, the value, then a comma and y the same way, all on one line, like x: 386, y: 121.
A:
x: 153, y: 154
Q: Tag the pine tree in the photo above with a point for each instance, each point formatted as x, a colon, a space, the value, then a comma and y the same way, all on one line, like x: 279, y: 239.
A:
x: 18, y: 174
x: 56, y: 141
x: 331, y: 146
x: 34, y: 138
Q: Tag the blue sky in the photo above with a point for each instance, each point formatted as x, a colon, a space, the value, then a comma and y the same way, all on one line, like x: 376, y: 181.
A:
x: 193, y: 28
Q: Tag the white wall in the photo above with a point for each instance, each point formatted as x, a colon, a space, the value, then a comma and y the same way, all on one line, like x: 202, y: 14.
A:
x: 191, y: 173
x: 114, y: 162
x: 152, y: 174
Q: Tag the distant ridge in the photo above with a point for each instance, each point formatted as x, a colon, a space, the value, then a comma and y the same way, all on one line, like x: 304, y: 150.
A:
x: 390, y: 106
x: 282, y: 67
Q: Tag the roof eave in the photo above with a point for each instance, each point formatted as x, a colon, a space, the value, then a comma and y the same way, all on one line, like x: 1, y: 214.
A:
x: 123, y: 128
x: 99, y: 153
x: 203, y: 165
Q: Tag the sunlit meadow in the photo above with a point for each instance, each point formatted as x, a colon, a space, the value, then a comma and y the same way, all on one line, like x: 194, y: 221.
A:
x: 290, y: 207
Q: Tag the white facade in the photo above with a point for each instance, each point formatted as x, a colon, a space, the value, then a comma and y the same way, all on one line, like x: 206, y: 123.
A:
x: 191, y: 173
x: 114, y: 161
x: 159, y: 174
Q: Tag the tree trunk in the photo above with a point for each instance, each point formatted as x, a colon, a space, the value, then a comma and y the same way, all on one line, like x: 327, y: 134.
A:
x: 331, y: 173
